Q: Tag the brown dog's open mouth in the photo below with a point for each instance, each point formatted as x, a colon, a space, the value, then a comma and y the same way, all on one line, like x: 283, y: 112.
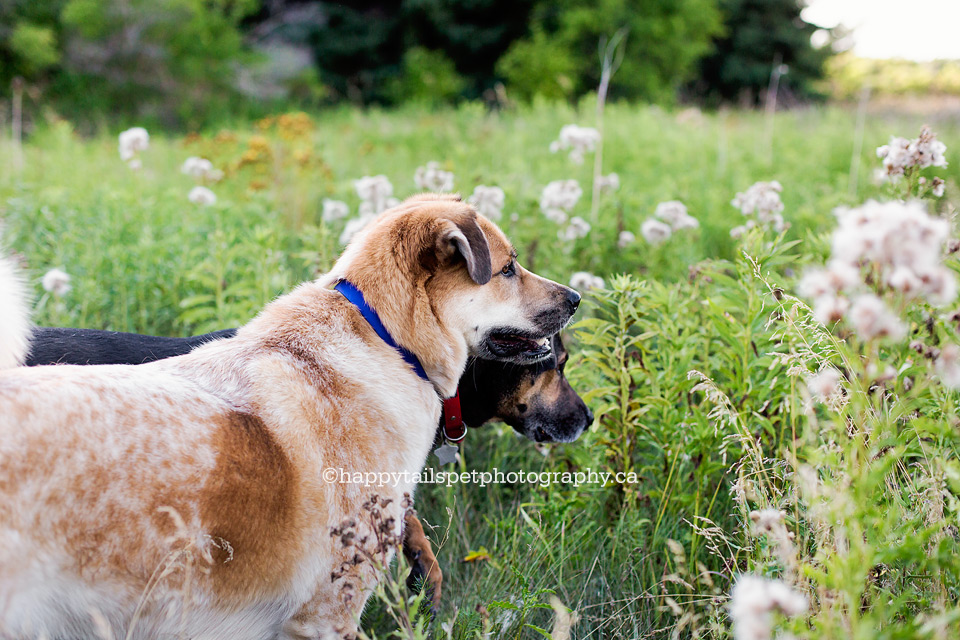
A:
x: 517, y: 346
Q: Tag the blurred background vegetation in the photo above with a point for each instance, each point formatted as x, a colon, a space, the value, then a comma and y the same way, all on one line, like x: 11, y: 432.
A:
x: 190, y: 63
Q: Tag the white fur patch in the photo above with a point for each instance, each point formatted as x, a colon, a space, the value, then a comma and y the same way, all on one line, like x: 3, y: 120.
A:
x: 14, y: 316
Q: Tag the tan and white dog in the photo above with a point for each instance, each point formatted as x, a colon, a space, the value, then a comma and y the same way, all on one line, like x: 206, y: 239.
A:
x: 187, y: 497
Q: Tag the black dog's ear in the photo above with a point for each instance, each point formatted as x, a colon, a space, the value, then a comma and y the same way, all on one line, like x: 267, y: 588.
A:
x: 466, y: 238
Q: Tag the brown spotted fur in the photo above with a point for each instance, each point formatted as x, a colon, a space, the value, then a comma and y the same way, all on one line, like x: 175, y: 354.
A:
x: 184, y: 497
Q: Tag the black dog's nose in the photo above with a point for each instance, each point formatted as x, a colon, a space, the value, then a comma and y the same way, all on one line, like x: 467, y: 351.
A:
x: 589, y: 415
x: 573, y: 300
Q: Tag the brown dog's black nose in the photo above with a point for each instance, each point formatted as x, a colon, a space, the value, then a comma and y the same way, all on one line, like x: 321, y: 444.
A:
x: 573, y: 300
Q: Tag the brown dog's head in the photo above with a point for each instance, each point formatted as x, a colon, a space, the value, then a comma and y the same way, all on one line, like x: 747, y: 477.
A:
x: 535, y: 399
x: 445, y: 282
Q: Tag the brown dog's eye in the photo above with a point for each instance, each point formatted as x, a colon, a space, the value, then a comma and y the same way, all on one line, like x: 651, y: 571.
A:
x: 508, y: 270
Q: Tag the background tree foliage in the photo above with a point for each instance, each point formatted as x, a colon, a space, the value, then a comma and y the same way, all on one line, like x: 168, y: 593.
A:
x: 663, y: 43
x: 29, y: 38
x: 361, y: 48
x: 760, y: 34
x: 172, y: 58
x: 187, y: 62
x: 174, y: 55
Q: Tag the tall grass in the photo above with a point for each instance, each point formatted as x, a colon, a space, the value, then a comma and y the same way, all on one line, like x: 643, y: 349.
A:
x: 694, y: 361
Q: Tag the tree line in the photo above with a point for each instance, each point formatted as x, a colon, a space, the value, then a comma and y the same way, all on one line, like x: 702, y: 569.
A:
x: 186, y: 61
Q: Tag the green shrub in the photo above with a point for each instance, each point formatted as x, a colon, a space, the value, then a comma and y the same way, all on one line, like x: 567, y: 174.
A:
x: 663, y: 43
x: 35, y: 46
x: 427, y: 78
x: 538, y: 66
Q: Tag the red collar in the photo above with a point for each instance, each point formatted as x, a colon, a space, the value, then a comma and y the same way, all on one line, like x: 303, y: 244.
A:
x: 453, y: 428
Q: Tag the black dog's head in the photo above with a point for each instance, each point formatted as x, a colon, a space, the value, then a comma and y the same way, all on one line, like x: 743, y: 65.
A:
x: 535, y: 399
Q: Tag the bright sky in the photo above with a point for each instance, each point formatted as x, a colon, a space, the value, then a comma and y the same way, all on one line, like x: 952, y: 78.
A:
x: 913, y: 29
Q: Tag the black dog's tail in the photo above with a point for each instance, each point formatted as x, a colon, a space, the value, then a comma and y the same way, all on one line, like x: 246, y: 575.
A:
x: 14, y: 316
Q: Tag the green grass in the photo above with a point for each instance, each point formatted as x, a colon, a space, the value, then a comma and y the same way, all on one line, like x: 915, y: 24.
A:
x: 144, y: 259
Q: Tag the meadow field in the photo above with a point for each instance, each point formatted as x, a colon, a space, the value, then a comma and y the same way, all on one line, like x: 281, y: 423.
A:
x: 740, y: 458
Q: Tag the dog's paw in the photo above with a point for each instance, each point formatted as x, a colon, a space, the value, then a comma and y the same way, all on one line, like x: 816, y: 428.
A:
x: 424, y: 569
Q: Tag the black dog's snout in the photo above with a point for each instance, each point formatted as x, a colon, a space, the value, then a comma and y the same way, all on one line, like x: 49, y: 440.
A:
x: 589, y: 413
x: 573, y: 300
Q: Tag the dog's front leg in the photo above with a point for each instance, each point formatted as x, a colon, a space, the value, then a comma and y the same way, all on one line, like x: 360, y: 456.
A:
x: 320, y: 619
x: 424, y: 568
x: 334, y: 610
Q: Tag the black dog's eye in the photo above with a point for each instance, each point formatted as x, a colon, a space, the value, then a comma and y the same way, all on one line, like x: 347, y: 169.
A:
x: 509, y: 270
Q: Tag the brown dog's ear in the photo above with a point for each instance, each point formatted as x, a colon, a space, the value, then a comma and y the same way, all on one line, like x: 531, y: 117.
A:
x: 466, y: 238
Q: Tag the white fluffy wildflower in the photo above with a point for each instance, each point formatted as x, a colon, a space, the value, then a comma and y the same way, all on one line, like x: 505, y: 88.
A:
x: 559, y: 216
x: 900, y: 242
x: 753, y: 602
x: 376, y: 207
x: 584, y: 281
x: 202, y: 196
x: 198, y: 168
x: 433, y: 178
x: 488, y: 201
x: 334, y: 210
x: 579, y: 140
x: 895, y: 156
x: 671, y: 211
x: 929, y: 151
x: 201, y: 169
x: 871, y: 319
x: 829, y: 309
x: 655, y: 232
x: 354, y: 225
x: 771, y: 524
x: 937, y: 186
x: 825, y: 384
x: 56, y: 281
x: 625, y: 239
x: 686, y: 222
x: 608, y: 183
x: 767, y: 520
x: 947, y: 366
x: 674, y: 213
x: 558, y: 198
x: 901, y: 154
x: 578, y: 228
x: 132, y: 141
x: 376, y: 194
x: 761, y: 198
x: 762, y: 201
x: 901, y: 246
x: 838, y: 277
x: 739, y: 230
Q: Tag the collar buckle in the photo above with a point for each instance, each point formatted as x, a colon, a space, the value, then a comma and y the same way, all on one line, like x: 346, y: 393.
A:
x: 453, y: 428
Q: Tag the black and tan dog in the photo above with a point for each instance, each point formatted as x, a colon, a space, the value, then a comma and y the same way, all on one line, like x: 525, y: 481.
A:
x: 536, y: 400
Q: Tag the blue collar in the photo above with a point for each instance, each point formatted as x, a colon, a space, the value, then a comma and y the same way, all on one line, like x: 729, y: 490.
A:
x: 354, y: 295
